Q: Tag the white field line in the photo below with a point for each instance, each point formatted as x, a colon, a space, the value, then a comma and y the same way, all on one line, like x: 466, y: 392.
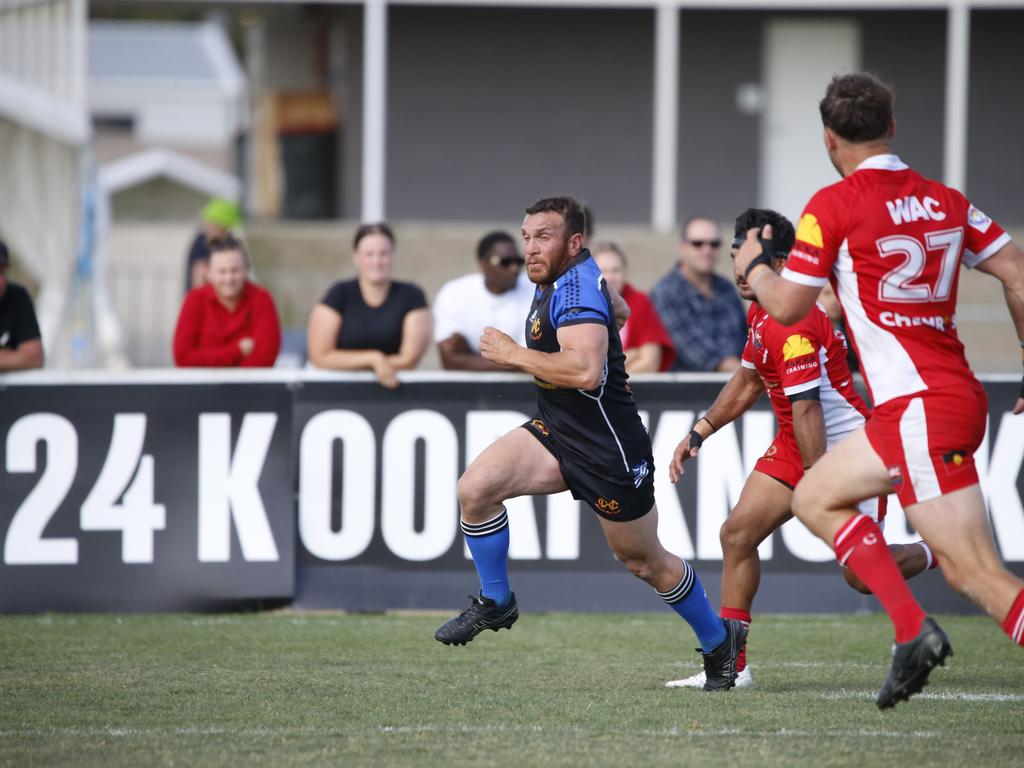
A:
x: 943, y: 696
x: 838, y: 664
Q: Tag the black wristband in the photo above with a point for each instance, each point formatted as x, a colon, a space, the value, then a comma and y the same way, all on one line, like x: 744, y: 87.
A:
x: 695, y: 439
x: 761, y: 258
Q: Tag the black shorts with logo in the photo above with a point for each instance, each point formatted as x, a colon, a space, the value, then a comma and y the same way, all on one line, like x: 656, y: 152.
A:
x: 614, y: 496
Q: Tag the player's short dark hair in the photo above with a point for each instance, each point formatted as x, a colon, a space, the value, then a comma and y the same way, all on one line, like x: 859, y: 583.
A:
x: 376, y: 228
x: 588, y: 222
x: 491, y: 239
x: 567, y: 207
x: 783, y: 235
x: 227, y: 242
x: 5, y: 255
x: 857, y: 107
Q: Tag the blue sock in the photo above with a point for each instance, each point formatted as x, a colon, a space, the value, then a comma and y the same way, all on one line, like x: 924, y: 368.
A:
x: 688, y: 599
x: 488, y: 543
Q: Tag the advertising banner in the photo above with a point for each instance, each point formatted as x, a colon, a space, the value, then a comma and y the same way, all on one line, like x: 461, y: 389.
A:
x: 145, y: 497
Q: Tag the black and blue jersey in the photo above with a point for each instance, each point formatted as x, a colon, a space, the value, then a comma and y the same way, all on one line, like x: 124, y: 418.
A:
x: 598, y: 429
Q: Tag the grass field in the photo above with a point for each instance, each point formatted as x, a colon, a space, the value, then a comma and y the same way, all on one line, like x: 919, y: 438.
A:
x: 558, y: 690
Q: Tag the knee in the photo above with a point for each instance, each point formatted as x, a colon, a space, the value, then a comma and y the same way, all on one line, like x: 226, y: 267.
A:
x: 643, y: 567
x: 477, y: 488
x: 736, y: 538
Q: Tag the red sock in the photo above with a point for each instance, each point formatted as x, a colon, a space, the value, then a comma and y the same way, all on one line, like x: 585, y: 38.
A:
x: 744, y: 616
x: 860, y: 547
x: 1013, y: 625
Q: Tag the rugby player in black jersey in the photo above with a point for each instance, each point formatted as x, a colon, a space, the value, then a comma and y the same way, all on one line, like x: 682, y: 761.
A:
x: 587, y: 437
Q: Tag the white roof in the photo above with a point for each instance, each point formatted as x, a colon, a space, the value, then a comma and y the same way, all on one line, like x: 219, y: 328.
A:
x: 150, y: 164
x: 163, y: 52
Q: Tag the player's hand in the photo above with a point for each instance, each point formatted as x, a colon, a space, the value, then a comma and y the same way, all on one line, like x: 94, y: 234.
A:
x: 497, y: 347
x: 752, y: 247
x: 246, y: 345
x: 682, y: 453
x: 385, y: 372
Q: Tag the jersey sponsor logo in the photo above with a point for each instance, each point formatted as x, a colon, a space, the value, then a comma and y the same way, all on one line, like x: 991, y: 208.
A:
x: 809, y: 231
x: 535, y: 333
x: 803, y: 253
x: 797, y: 346
x: 904, y: 210
x: 978, y: 220
x: 541, y: 427
x: 896, y: 320
x: 805, y: 366
x: 609, y: 506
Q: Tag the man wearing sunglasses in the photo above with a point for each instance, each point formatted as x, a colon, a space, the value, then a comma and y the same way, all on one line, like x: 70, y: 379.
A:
x: 700, y: 309
x: 499, y: 295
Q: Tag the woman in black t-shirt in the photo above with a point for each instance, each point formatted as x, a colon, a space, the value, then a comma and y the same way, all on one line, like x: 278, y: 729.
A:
x: 372, y: 322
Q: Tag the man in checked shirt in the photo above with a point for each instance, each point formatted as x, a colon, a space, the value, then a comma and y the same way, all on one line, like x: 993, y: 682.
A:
x: 700, y: 309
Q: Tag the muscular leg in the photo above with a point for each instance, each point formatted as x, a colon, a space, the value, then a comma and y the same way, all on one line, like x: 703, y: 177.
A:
x: 637, y: 545
x: 956, y: 527
x: 826, y: 502
x: 764, y: 505
x: 515, y: 464
x: 911, y: 559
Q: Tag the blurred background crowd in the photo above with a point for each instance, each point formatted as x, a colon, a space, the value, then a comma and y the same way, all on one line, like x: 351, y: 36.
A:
x: 341, y: 184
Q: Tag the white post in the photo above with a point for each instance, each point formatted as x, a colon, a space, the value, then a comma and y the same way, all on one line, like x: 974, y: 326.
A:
x: 375, y: 57
x: 958, y: 39
x: 666, y: 116
x: 78, y: 64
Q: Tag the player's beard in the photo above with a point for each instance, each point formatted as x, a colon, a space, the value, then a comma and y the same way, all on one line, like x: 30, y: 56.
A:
x: 554, y: 268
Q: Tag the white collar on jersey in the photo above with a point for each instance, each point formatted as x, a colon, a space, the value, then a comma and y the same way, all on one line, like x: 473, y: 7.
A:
x: 882, y: 163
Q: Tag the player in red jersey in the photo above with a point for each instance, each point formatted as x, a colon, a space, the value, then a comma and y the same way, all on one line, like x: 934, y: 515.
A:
x: 891, y: 242
x: 803, y: 368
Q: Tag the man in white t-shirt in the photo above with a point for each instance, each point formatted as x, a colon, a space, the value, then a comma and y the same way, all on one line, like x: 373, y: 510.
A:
x: 499, y: 295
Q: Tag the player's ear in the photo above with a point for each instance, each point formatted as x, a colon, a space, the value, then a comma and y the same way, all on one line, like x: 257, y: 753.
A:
x: 575, y: 244
x: 830, y: 140
x: 892, y: 128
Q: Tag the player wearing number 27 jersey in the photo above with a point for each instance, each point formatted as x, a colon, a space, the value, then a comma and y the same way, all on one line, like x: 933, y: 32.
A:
x: 891, y: 242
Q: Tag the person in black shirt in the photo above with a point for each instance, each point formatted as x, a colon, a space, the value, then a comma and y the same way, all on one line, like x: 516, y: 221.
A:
x: 587, y: 437
x: 21, y: 346
x: 372, y: 322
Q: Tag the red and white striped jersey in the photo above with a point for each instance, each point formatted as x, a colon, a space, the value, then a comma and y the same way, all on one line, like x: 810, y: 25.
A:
x: 795, y: 358
x: 892, y: 242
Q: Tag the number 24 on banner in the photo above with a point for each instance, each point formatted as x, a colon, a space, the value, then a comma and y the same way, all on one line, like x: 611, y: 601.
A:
x: 121, y: 499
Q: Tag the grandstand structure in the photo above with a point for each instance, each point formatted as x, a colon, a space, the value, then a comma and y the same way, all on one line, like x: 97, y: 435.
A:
x: 44, y: 138
x: 662, y: 106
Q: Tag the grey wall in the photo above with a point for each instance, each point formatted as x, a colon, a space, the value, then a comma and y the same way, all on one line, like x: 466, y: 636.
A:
x: 995, y: 162
x: 718, y: 145
x: 908, y: 50
x: 490, y: 109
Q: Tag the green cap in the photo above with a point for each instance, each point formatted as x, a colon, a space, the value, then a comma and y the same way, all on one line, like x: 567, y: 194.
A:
x: 222, y: 213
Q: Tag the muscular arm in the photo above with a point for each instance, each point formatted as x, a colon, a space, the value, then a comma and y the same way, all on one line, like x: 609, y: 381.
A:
x: 28, y: 354
x: 1007, y: 265
x: 784, y: 300
x: 809, y: 428
x: 735, y: 399
x: 579, y: 364
x: 456, y: 355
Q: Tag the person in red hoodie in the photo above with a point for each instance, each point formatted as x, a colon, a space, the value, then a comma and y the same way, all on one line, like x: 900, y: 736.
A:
x: 230, y: 321
x: 645, y: 341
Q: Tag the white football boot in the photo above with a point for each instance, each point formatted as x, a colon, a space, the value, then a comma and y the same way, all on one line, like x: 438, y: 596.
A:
x: 743, y: 680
